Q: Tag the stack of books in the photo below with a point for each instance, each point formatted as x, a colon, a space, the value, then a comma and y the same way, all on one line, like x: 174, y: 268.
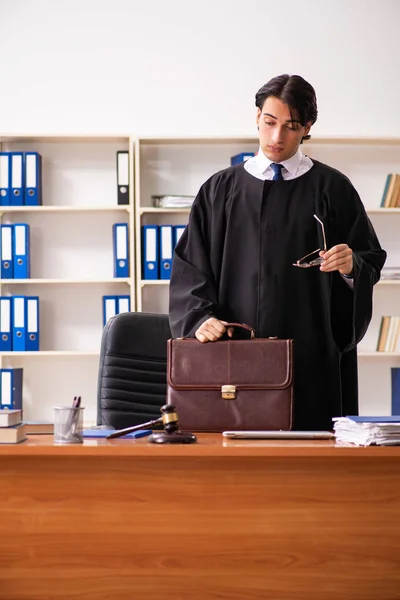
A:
x: 38, y: 428
x: 367, y: 431
x: 389, y: 335
x: 172, y: 201
x: 391, y: 192
x: 390, y: 273
x: 12, y: 430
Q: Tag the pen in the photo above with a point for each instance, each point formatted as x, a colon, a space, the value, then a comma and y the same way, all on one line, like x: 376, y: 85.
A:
x: 72, y: 421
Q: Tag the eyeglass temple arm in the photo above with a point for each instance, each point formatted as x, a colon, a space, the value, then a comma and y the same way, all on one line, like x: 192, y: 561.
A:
x: 323, y: 233
x: 307, y: 255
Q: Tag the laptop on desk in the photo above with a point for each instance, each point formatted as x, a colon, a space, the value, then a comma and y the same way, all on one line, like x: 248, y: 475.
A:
x: 278, y: 435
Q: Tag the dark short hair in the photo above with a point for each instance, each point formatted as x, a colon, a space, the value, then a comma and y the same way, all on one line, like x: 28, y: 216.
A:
x: 294, y: 91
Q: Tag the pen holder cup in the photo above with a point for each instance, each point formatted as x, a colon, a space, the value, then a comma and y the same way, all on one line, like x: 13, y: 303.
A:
x: 68, y: 425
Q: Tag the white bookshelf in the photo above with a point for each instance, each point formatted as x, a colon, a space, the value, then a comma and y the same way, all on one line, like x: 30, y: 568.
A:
x: 71, y: 265
x: 180, y: 166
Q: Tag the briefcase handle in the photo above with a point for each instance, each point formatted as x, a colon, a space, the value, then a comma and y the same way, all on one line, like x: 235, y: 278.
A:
x: 243, y: 326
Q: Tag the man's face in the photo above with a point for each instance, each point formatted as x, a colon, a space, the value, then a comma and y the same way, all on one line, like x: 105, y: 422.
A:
x: 280, y: 136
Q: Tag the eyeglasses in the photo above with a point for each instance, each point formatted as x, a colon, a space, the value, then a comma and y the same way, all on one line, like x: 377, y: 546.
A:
x: 302, y: 262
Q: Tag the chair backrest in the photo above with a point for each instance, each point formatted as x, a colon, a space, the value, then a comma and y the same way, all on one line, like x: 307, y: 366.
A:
x: 132, y: 371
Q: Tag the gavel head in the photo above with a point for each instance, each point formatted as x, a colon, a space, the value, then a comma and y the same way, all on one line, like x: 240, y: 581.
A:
x: 169, y: 418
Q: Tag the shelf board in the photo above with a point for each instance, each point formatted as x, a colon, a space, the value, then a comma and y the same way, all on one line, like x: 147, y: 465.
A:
x: 52, y: 353
x: 151, y: 209
x: 378, y: 141
x: 144, y: 282
x: 198, y: 140
x: 372, y: 354
x: 376, y: 211
x: 361, y: 354
x: 48, y: 208
x: 245, y: 139
x: 38, y: 137
x: 64, y: 281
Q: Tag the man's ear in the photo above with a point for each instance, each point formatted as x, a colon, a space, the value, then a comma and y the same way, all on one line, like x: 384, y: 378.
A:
x: 258, y: 118
x: 307, y: 128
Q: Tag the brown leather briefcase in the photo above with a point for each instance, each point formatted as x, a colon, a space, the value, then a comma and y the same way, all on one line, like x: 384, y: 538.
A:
x: 231, y: 384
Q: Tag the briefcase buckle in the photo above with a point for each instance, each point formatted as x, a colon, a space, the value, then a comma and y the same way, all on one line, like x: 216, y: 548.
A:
x: 228, y: 392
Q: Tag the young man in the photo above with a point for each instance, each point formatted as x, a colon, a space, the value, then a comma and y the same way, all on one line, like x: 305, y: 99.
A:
x: 246, y: 254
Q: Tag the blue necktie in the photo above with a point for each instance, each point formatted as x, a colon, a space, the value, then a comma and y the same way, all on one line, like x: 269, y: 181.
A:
x: 277, y: 169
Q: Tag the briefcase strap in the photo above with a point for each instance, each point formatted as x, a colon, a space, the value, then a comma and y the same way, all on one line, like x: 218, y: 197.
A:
x: 243, y: 326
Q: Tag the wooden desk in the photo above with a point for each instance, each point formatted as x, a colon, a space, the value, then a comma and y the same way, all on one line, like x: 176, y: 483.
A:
x: 218, y: 520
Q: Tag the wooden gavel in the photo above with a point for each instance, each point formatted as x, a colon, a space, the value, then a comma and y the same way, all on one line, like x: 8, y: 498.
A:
x: 169, y: 420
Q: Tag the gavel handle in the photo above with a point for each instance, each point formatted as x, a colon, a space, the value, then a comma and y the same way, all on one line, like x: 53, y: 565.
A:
x: 121, y: 432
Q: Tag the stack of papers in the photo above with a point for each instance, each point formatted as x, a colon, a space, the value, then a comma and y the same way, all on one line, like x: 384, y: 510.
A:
x: 173, y: 201
x: 390, y: 273
x: 367, y: 431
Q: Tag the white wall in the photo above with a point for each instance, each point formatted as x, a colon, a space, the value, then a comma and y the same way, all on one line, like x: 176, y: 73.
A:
x: 178, y: 67
x: 184, y: 68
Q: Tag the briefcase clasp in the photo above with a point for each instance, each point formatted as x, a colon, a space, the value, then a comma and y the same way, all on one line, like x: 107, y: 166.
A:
x: 228, y: 392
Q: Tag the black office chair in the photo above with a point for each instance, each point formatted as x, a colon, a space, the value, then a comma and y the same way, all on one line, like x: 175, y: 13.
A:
x: 132, y: 371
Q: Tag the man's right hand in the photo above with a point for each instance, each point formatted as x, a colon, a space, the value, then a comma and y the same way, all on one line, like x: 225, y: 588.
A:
x: 212, y: 329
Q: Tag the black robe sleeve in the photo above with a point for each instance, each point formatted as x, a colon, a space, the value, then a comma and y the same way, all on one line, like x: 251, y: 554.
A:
x: 193, y: 289
x: 351, y: 308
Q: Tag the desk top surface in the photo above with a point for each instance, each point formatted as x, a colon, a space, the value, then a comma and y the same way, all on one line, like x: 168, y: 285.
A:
x: 208, y: 445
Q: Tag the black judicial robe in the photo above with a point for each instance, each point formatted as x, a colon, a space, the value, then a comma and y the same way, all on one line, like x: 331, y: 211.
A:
x: 235, y: 262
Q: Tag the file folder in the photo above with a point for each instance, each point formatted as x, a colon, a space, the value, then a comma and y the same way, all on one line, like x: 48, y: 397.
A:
x: 7, y: 268
x: 123, y: 176
x: 33, y: 179
x: 11, y: 388
x: 18, y: 312
x: 17, y: 178
x: 32, y: 323
x: 5, y: 324
x: 178, y: 230
x: 395, y: 390
x: 120, y: 245
x: 240, y: 158
x: 165, y: 251
x: 150, y: 252
x: 5, y: 178
x: 94, y: 432
x: 21, y: 253
x: 109, y: 308
x: 123, y: 304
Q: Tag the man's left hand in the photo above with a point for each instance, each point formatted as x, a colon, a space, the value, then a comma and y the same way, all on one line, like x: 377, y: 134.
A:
x: 338, y: 258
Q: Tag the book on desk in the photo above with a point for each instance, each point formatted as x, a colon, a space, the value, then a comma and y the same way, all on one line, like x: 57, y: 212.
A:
x: 12, y: 429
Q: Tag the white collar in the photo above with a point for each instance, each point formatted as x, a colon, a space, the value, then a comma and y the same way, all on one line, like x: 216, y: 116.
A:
x: 292, y: 164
